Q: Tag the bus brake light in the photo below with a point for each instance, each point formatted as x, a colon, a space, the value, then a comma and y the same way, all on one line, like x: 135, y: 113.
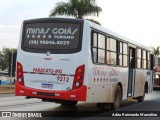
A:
x: 19, y: 73
x: 78, y: 77
x: 20, y: 77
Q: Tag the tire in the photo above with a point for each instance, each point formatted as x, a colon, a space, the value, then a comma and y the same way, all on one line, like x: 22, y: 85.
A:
x: 141, y: 98
x: 117, y: 98
x: 69, y: 103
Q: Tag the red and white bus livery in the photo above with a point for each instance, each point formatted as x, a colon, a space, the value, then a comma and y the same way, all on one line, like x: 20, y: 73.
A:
x: 69, y: 60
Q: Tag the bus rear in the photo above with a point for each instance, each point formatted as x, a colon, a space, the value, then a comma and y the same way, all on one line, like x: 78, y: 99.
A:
x: 48, y: 60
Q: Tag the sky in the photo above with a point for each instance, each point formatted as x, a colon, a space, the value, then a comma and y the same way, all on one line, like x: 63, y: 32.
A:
x: 138, y: 20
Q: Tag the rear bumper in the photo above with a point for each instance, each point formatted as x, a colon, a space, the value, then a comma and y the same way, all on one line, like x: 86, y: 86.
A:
x: 75, y: 95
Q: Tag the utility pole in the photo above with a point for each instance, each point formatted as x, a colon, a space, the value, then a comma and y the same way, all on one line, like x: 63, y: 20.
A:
x: 11, y: 68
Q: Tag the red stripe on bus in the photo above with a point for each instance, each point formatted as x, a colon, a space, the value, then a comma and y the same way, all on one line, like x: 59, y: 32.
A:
x: 80, y: 93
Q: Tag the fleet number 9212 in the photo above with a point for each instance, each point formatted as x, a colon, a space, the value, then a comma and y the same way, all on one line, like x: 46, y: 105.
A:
x: 63, y: 78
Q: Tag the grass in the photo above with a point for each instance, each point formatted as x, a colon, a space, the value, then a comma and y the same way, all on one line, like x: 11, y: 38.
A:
x: 6, y: 89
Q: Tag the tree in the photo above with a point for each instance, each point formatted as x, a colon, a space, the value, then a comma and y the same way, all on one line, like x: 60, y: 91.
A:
x: 76, y: 8
x: 4, y: 57
x: 156, y: 51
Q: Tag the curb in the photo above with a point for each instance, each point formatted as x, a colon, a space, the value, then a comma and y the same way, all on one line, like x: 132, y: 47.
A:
x: 6, y: 93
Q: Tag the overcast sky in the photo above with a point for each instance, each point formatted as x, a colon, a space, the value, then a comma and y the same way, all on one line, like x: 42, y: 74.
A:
x: 138, y: 20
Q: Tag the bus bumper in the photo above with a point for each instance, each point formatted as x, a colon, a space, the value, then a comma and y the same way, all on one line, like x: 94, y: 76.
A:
x: 74, y: 95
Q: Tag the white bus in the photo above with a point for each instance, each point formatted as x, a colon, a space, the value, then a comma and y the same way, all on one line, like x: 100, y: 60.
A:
x: 69, y: 60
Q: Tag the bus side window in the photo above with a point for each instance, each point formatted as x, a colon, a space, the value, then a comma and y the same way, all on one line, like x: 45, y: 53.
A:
x: 111, y: 51
x: 120, y: 54
x: 94, y: 55
x: 148, y: 60
x: 101, y: 48
x: 98, y: 48
x: 125, y: 54
x: 139, y: 58
x: 94, y: 39
x: 123, y: 59
x: 94, y: 49
x: 144, y: 62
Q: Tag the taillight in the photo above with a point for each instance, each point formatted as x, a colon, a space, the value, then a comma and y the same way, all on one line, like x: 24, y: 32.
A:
x: 78, y: 77
x: 20, y: 77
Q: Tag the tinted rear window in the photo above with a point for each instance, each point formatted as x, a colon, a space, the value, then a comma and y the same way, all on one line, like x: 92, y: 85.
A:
x: 51, y: 36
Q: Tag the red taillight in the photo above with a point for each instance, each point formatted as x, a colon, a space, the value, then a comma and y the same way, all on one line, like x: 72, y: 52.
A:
x: 19, y: 73
x: 78, y: 77
x: 20, y: 78
x: 79, y: 70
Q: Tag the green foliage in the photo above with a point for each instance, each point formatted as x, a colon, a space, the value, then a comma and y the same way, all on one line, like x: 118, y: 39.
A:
x: 4, y: 57
x: 76, y: 8
x: 156, y: 51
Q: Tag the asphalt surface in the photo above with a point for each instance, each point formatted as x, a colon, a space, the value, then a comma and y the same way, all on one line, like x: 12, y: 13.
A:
x: 89, y: 111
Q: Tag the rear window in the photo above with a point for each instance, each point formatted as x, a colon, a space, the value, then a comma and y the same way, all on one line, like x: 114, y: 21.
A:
x: 52, y: 36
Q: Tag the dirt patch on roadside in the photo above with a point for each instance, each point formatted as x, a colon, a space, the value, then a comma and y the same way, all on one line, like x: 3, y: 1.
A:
x: 7, y: 89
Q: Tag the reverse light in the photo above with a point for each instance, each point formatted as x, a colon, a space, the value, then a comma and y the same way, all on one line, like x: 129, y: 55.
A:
x: 78, y: 77
x: 19, y: 79
x: 77, y: 84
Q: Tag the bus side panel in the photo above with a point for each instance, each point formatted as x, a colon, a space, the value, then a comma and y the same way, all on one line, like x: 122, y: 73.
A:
x: 103, y: 80
x: 123, y: 79
x: 140, y: 79
x: 98, y: 89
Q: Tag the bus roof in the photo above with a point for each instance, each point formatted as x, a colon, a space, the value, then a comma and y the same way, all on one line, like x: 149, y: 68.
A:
x: 95, y: 26
x: 105, y: 30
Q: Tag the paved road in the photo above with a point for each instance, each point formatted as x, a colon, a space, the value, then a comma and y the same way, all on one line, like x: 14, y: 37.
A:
x: 16, y: 103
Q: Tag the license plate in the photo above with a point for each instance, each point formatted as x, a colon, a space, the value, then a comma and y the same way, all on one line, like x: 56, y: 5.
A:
x: 47, y: 85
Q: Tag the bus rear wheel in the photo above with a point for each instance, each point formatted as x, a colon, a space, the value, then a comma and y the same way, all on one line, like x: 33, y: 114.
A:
x: 141, y: 98
x: 117, y: 98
